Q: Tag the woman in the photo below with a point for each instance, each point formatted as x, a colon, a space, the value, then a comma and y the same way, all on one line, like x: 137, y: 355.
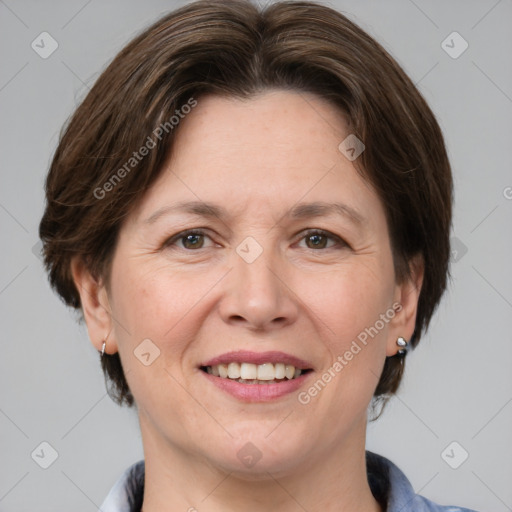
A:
x: 251, y: 209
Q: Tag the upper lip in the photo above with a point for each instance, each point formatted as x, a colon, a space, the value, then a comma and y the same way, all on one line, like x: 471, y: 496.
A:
x: 246, y: 356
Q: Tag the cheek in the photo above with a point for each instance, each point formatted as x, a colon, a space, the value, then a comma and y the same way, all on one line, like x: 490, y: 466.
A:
x: 349, y: 300
x: 152, y: 297
x: 355, y: 309
x: 155, y: 301
x: 152, y: 310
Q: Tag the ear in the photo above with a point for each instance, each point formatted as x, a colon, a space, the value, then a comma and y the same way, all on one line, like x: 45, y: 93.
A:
x: 407, y: 295
x: 95, y: 306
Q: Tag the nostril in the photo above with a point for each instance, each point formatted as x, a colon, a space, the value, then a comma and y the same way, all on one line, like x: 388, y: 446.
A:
x: 237, y: 318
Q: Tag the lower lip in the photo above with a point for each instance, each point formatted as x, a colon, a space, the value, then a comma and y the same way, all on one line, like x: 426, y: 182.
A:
x: 257, y: 392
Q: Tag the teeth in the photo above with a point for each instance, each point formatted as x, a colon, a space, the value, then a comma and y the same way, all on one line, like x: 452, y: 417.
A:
x: 266, y: 372
x: 223, y: 370
x: 279, y: 369
x: 249, y: 373
x: 233, y: 370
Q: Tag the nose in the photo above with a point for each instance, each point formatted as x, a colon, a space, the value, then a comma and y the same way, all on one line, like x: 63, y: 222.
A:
x: 257, y: 296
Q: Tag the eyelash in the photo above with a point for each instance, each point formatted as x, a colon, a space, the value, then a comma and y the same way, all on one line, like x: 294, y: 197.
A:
x: 308, y: 232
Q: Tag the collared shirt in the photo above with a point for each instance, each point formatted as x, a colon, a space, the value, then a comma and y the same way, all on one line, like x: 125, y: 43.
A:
x: 389, y: 485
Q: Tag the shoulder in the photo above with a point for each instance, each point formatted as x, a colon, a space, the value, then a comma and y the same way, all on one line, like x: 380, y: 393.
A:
x: 390, y: 485
x: 128, y: 492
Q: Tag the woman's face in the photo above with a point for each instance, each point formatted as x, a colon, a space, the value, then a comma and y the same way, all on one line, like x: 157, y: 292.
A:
x: 275, y: 267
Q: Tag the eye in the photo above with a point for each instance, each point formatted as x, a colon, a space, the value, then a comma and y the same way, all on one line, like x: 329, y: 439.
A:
x: 319, y: 239
x: 190, y: 240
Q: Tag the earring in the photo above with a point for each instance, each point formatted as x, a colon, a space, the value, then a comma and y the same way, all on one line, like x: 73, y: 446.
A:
x: 404, y: 346
x: 103, y: 347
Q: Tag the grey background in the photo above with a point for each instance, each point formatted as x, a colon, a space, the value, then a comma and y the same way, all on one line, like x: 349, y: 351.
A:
x: 458, y: 383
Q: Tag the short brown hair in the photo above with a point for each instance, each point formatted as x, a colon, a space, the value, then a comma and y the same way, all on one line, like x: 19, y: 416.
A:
x: 233, y: 48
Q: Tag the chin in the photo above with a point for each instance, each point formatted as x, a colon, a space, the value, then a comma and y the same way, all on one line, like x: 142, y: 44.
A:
x: 253, y: 456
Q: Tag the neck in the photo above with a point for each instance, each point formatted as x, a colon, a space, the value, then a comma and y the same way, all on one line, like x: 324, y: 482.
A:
x: 176, y: 479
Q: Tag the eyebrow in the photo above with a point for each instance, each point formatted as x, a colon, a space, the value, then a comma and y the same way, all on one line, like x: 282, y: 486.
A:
x: 199, y: 208
x: 299, y: 211
x: 320, y: 208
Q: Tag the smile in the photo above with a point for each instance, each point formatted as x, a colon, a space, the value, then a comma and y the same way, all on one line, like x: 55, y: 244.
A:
x: 251, y: 376
x: 249, y: 373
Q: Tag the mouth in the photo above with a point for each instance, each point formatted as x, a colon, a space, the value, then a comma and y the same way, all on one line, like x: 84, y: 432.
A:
x: 257, y: 376
x: 250, y: 373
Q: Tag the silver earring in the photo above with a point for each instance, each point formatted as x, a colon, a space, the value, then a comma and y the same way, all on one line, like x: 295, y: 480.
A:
x: 404, y: 346
x: 103, y: 347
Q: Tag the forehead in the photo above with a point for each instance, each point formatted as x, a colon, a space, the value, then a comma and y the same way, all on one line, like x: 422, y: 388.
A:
x: 264, y: 126
x: 273, y: 149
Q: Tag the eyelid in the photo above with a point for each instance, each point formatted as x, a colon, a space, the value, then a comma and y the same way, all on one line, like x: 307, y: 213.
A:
x: 317, y: 231
x: 171, y: 241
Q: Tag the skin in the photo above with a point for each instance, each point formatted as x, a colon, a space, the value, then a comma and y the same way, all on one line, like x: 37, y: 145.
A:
x: 257, y: 159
